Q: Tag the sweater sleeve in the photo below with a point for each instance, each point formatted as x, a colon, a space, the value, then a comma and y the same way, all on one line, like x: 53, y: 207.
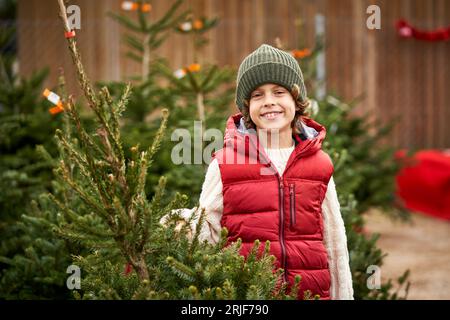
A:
x: 335, y: 241
x: 211, y: 199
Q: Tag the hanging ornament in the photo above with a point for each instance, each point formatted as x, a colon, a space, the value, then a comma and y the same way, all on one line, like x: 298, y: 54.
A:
x: 300, y: 54
x: 134, y: 6
x: 146, y: 7
x: 180, y: 73
x: 130, y: 6
x: 195, y: 67
x: 198, y: 24
x: 55, y: 99
x: 186, y: 26
x: 405, y: 30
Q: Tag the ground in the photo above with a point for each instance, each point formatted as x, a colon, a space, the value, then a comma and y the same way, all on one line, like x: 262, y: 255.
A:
x: 422, y: 246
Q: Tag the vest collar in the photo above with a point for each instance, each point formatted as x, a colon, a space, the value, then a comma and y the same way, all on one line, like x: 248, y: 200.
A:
x: 310, y: 138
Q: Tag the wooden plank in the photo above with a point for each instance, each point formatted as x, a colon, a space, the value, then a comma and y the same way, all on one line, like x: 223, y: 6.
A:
x: 419, y: 111
x: 26, y: 35
x: 284, y: 22
x: 234, y: 32
x: 128, y: 67
x: 290, y: 30
x: 376, y: 80
x: 222, y: 33
x: 341, y: 36
x: 408, y: 80
x: 429, y: 79
x: 398, y: 69
x: 111, y: 43
x: 331, y: 45
x: 358, y: 77
x: 444, y: 68
x: 296, y: 17
x: 259, y: 25
x: 209, y: 12
x: 97, y: 43
x: 441, y: 72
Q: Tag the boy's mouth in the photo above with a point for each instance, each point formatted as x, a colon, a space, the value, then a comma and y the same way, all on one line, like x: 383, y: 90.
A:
x: 271, y: 115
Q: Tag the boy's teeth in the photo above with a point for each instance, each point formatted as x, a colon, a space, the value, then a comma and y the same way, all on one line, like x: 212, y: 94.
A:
x: 271, y: 115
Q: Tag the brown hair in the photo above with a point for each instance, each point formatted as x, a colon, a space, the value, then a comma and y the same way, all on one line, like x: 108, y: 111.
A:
x: 300, y: 107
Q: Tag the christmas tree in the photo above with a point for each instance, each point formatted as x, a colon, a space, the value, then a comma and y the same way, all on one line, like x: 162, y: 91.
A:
x: 199, y: 92
x: 24, y: 174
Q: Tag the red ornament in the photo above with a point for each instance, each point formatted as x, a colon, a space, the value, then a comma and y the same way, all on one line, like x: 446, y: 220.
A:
x: 405, y: 30
x: 69, y: 34
x: 128, y: 269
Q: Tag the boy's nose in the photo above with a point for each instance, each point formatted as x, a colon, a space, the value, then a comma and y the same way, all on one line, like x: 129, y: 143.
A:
x: 268, y: 100
x: 269, y: 105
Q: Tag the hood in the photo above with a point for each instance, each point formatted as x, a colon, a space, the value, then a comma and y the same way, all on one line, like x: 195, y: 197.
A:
x: 308, y: 141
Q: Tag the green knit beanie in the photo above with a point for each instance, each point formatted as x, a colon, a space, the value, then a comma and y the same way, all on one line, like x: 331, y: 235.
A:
x: 268, y: 65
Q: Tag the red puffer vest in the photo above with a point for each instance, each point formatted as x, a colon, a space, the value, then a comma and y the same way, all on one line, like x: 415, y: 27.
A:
x: 286, y: 210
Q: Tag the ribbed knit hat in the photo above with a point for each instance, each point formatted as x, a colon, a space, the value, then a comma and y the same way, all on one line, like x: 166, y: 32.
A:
x: 268, y: 65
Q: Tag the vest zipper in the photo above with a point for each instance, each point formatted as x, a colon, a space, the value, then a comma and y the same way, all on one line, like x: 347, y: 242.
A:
x: 283, y: 249
x: 292, y: 204
x: 281, y: 205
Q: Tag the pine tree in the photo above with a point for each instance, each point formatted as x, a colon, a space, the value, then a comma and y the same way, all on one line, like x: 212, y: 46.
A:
x: 364, y: 166
x: 196, y: 92
x: 364, y: 254
x: 20, y: 105
x: 23, y: 173
x: 33, y: 261
x: 38, y: 269
x: 148, y: 35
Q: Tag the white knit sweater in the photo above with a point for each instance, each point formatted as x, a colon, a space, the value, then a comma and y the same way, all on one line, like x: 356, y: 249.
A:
x: 335, y: 239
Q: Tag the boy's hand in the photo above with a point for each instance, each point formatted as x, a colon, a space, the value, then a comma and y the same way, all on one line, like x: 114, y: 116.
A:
x: 180, y: 223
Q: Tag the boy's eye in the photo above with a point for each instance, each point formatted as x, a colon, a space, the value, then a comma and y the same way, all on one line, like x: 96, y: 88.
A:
x: 256, y: 94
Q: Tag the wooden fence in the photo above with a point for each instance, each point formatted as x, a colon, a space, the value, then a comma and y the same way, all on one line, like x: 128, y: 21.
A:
x: 395, y: 76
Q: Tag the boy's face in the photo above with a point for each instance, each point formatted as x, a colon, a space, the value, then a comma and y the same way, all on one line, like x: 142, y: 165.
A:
x: 272, y: 107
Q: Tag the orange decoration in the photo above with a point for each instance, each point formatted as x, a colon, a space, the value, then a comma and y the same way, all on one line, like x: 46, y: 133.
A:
x: 56, y: 110
x: 55, y: 99
x: 198, y: 24
x: 299, y: 54
x: 146, y: 7
x: 194, y: 67
x: 133, y: 6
